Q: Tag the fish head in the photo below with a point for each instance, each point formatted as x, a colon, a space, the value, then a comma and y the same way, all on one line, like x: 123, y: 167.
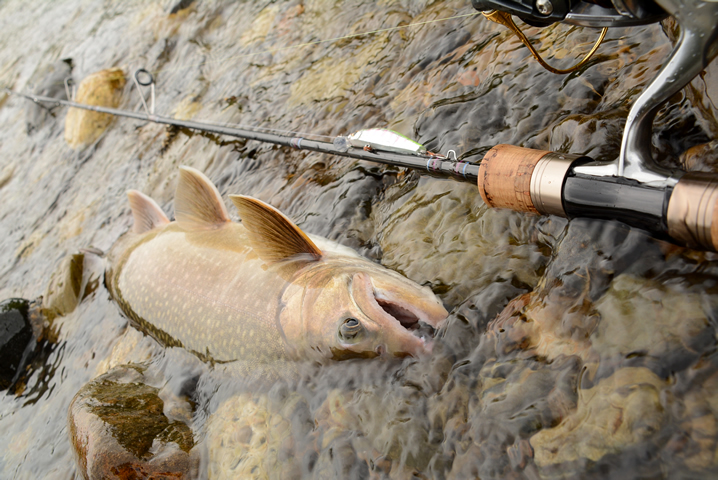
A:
x: 348, y: 311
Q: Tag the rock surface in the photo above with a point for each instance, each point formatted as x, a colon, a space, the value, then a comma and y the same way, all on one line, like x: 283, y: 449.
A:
x: 15, y: 336
x: 118, y: 430
x: 103, y: 89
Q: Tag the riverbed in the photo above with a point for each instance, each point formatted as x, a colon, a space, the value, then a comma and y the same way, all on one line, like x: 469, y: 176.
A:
x: 573, y: 349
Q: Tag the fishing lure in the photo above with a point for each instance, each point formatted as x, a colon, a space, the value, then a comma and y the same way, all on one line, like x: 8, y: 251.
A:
x: 385, y: 140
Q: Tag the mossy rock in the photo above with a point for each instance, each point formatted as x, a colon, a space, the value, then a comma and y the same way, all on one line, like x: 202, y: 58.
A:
x: 118, y: 430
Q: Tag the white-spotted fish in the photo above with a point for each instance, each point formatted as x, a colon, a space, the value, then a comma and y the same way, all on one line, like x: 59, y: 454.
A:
x: 261, y: 290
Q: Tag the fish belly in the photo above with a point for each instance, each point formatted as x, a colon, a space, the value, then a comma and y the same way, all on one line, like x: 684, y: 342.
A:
x: 205, y: 294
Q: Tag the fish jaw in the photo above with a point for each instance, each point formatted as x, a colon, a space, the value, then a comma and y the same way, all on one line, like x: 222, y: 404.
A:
x: 397, y: 306
x: 405, y: 300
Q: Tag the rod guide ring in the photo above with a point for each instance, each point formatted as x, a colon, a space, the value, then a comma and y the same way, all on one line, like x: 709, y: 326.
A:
x: 144, y: 77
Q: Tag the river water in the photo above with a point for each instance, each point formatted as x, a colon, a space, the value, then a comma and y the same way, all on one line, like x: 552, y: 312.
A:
x: 576, y: 349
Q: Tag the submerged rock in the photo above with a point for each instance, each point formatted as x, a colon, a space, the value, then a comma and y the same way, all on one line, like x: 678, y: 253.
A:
x: 181, y: 5
x: 119, y: 430
x: 77, y: 277
x: 15, y: 336
x: 701, y: 158
x: 622, y: 410
x: 53, y: 85
x: 657, y: 340
x: 250, y: 437
x: 133, y: 347
x: 104, y: 89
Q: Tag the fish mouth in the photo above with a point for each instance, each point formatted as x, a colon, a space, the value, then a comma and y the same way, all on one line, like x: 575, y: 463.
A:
x: 400, y: 312
x: 407, y: 317
x: 402, y: 315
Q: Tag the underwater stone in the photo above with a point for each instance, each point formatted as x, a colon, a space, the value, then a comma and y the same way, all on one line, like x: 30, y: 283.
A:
x: 15, y: 334
x: 638, y: 325
x: 103, y: 89
x: 621, y: 411
x: 243, y: 438
x: 53, y: 85
x: 133, y: 347
x: 701, y: 158
x: 181, y: 5
x: 63, y: 291
x: 77, y: 277
x: 118, y: 430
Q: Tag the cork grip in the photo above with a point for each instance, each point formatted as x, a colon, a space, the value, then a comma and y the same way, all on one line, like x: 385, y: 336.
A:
x: 505, y: 177
x: 692, y: 214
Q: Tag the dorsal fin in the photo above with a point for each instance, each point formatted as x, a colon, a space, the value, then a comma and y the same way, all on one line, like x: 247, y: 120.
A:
x: 198, y: 205
x: 146, y: 213
x: 273, y: 236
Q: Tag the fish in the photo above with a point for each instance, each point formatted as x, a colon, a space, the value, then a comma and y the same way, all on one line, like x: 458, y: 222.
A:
x: 260, y: 290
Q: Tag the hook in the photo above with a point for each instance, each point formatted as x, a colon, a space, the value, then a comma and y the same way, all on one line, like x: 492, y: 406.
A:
x: 144, y: 78
x: 448, y: 155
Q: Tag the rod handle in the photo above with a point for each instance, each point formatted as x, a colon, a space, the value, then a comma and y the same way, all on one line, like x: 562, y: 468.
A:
x: 524, y: 179
x: 692, y: 214
x: 505, y: 177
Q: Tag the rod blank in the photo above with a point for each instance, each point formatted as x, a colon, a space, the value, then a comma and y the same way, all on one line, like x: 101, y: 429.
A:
x: 433, y: 165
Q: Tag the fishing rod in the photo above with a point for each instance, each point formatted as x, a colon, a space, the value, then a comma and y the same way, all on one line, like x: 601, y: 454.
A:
x: 673, y: 205
x: 521, y: 179
x: 374, y: 145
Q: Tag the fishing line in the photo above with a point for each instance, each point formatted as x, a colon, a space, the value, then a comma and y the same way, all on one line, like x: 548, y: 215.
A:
x: 170, y: 73
x: 273, y: 130
x: 437, y: 164
x: 316, y: 42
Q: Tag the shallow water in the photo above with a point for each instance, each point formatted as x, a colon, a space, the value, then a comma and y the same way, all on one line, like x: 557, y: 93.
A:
x: 603, y: 364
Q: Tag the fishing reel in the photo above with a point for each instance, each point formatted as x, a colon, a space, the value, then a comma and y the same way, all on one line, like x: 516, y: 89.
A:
x: 587, y: 13
x: 697, y: 46
x: 633, y: 188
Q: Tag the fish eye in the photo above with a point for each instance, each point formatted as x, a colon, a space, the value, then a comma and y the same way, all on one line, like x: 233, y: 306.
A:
x: 350, y: 328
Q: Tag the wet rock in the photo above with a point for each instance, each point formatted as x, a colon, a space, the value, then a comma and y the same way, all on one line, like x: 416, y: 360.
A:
x: 6, y: 174
x: 334, y: 77
x: 250, y: 436
x: 134, y: 347
x: 77, y: 277
x: 559, y: 317
x: 703, y: 93
x: 104, y: 89
x: 597, y: 136
x: 261, y: 26
x: 701, y: 158
x: 118, y: 430
x: 15, y: 337
x: 188, y: 108
x: 622, y: 410
x: 181, y: 5
x: 695, y: 440
x: 638, y: 326
x: 417, y: 223
x: 52, y: 85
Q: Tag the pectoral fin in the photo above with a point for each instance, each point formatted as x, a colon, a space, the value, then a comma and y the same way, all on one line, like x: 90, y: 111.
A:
x: 273, y: 236
x: 198, y: 204
x: 146, y: 213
